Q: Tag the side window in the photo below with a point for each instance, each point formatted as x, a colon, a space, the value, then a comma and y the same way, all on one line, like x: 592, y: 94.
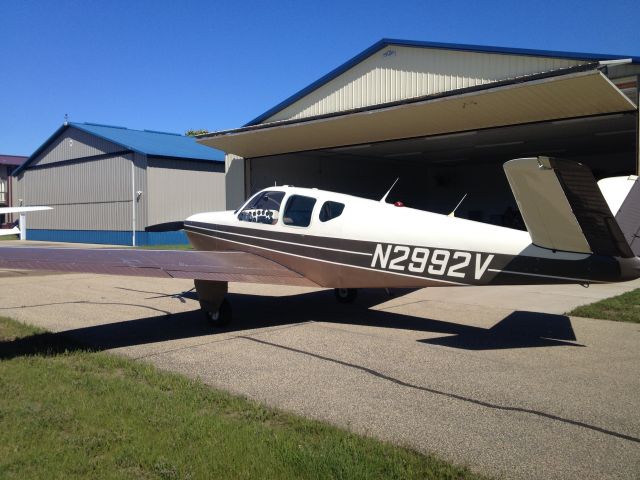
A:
x: 330, y: 210
x: 263, y: 208
x: 298, y: 211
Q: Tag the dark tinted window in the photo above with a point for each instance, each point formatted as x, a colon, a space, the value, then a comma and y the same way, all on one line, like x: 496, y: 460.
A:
x: 330, y: 210
x: 298, y: 211
x: 263, y: 208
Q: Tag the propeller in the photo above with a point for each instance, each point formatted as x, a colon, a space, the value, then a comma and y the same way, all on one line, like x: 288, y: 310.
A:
x: 165, y: 227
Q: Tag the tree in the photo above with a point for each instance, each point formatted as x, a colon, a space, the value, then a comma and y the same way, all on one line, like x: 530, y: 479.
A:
x: 193, y: 133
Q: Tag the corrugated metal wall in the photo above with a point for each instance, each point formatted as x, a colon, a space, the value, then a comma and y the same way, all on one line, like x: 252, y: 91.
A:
x: 73, y: 144
x: 141, y: 185
x: 399, y: 72
x: 235, y: 182
x: 179, y: 188
x: 87, y: 195
x: 618, y: 71
x: 14, y: 192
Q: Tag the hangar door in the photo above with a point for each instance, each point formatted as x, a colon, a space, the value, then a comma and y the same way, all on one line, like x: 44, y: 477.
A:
x: 446, y: 146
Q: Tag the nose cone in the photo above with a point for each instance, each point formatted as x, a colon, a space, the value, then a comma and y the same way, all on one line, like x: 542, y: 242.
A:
x: 198, y: 217
x: 212, y: 217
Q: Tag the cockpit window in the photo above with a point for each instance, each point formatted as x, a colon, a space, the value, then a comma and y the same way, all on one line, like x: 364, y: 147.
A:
x: 331, y: 210
x: 263, y: 208
x: 298, y: 211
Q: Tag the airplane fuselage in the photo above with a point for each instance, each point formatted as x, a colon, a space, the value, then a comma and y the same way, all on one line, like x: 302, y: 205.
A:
x: 342, y: 241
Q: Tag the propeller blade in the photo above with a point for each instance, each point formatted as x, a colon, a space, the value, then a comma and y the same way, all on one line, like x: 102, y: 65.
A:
x: 165, y: 227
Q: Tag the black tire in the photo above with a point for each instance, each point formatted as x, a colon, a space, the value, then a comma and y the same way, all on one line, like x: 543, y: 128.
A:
x: 346, y: 295
x: 221, y: 317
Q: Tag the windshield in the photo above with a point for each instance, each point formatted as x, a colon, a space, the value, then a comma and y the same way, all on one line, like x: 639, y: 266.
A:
x: 263, y: 208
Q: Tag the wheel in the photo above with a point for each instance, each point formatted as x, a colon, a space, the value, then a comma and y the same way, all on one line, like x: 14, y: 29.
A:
x: 221, y: 317
x: 346, y: 295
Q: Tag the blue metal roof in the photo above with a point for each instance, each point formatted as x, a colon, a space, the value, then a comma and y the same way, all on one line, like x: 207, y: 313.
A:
x: 385, y: 42
x: 146, y: 142
x: 150, y: 142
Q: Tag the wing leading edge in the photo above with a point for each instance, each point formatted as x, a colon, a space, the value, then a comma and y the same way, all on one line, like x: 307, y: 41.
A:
x: 217, y: 266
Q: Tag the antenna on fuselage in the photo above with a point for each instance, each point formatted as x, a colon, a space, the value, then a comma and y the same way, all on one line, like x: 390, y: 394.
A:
x: 384, y: 199
x: 453, y: 213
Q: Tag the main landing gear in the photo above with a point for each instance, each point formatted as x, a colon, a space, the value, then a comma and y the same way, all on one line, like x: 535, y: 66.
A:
x: 215, y: 307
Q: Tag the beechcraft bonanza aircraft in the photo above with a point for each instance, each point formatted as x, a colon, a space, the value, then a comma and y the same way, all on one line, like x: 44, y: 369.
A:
x: 578, y: 232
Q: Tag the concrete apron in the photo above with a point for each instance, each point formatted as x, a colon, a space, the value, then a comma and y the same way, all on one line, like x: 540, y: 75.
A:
x: 491, y: 377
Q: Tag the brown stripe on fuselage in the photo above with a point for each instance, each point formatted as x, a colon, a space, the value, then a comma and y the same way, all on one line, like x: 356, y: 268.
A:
x: 325, y: 274
x: 356, y: 256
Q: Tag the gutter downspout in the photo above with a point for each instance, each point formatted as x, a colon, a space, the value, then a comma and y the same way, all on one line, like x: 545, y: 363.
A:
x: 133, y: 200
x: 9, y: 218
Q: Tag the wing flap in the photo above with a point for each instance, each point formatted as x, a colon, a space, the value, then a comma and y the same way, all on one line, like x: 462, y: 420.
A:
x: 544, y: 206
x: 219, y: 266
x: 563, y: 208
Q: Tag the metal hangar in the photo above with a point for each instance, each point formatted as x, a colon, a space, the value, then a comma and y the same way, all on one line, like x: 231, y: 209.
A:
x: 443, y: 118
x: 108, y: 184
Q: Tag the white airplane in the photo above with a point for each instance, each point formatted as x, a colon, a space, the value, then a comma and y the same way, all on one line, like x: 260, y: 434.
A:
x: 15, y: 230
x: 577, y: 232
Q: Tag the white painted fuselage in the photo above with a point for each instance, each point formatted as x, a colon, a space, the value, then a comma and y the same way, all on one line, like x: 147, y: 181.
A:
x: 401, y: 245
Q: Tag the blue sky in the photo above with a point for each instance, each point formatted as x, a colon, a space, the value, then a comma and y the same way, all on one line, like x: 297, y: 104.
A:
x: 175, y: 65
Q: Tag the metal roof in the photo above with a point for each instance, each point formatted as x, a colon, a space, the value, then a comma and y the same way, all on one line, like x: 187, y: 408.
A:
x: 11, y: 159
x: 151, y: 142
x: 146, y: 142
x: 385, y: 42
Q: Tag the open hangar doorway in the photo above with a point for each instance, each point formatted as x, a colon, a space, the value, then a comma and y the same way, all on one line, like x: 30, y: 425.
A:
x: 435, y: 172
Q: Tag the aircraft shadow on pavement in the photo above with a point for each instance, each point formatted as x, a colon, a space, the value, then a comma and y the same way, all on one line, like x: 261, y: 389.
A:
x: 517, y: 330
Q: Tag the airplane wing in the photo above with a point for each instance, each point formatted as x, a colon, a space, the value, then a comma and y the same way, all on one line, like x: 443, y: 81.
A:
x: 9, y: 231
x: 225, y: 266
x: 15, y: 230
x: 23, y: 209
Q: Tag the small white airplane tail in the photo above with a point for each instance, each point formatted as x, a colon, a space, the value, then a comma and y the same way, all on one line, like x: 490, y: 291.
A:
x: 564, y: 209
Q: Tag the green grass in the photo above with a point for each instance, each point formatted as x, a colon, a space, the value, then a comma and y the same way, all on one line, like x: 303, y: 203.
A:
x: 66, y: 412
x: 8, y: 237
x: 623, y: 308
x: 166, y: 247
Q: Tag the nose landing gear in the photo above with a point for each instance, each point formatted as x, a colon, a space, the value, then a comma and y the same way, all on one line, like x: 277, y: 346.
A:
x: 214, y: 306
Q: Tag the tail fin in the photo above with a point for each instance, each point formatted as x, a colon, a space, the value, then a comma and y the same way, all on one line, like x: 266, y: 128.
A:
x: 623, y: 197
x: 563, y: 208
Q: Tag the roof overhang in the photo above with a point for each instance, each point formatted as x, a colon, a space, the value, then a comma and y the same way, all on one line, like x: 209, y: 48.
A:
x: 573, y: 95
